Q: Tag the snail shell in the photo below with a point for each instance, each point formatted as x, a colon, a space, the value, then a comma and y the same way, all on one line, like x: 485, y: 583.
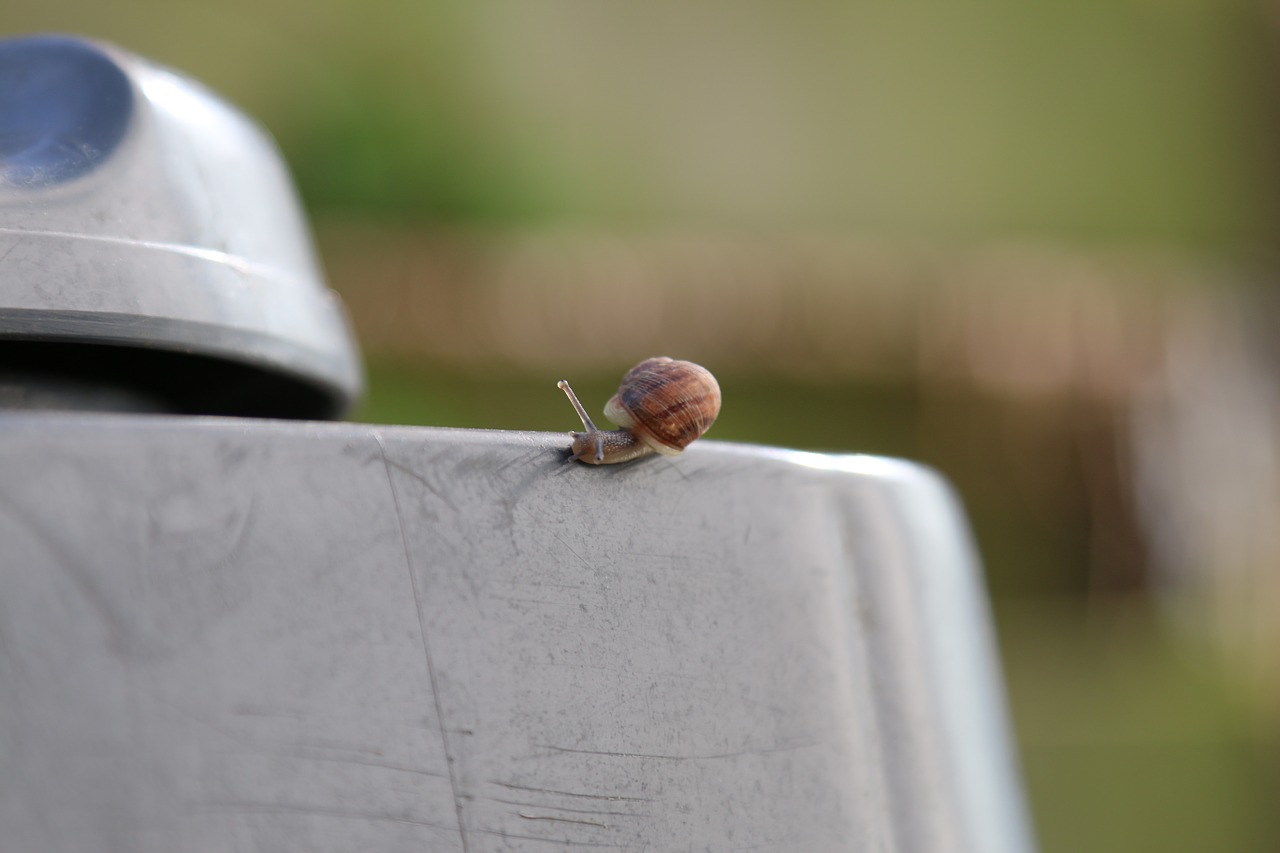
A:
x: 666, y: 403
x: 661, y: 406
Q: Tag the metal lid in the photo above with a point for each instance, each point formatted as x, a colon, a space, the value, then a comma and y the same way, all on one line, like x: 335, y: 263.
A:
x: 150, y: 231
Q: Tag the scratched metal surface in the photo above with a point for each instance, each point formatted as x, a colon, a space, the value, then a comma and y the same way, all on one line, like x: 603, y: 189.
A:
x: 223, y: 635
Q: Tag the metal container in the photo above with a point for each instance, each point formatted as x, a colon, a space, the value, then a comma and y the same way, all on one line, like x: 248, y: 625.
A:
x: 225, y: 634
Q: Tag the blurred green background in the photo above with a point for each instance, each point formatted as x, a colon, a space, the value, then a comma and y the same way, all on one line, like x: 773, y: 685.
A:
x: 1030, y: 244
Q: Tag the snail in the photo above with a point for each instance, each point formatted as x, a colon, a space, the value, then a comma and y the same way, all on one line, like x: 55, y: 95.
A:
x: 661, y: 406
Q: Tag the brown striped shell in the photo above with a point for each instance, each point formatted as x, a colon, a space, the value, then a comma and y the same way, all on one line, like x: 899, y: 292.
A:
x: 666, y: 403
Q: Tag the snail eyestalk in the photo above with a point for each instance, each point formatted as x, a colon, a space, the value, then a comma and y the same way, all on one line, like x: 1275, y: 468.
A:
x: 563, y: 385
x: 596, y: 436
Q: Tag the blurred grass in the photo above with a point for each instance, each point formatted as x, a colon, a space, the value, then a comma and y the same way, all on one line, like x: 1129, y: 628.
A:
x: 1130, y: 738
x: 1116, y: 121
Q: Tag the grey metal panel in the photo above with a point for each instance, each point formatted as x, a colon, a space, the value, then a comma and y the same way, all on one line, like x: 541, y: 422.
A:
x: 224, y: 635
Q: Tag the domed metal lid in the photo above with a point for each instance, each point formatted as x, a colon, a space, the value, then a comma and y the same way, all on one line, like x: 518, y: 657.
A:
x: 149, y: 231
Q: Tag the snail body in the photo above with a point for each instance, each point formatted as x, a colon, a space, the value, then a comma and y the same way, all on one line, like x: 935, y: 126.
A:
x: 662, y: 406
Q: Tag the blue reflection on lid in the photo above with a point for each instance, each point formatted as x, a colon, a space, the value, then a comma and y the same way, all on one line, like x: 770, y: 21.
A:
x: 64, y: 107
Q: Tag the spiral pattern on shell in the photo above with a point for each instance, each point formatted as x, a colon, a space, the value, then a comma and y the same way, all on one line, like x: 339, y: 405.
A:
x: 666, y: 403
